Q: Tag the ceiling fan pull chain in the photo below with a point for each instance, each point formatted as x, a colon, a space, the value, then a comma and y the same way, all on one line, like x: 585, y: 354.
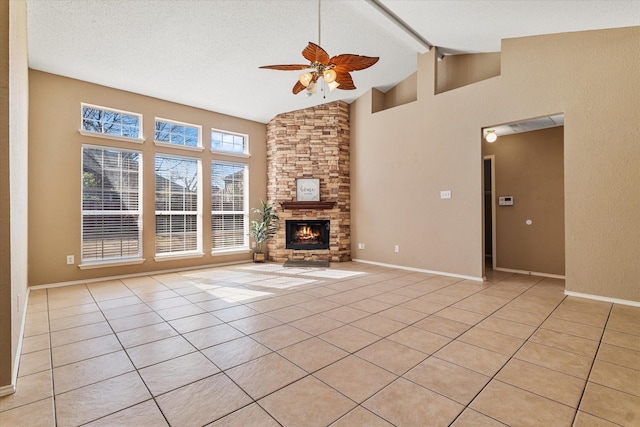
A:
x: 319, y: 32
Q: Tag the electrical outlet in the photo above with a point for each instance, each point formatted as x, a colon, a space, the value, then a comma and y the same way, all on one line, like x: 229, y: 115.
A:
x: 360, y: 245
x: 445, y: 194
x: 397, y: 248
x: 70, y: 260
x: 253, y: 244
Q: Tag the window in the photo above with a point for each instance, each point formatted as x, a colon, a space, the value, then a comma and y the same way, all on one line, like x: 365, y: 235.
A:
x: 176, y: 133
x: 178, y: 205
x: 233, y: 143
x: 229, y: 206
x: 111, y: 212
x: 106, y: 122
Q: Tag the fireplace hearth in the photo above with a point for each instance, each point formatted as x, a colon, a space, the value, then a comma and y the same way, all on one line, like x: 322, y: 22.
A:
x: 307, y: 234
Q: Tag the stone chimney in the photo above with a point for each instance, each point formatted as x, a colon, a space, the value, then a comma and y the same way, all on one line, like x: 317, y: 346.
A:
x: 311, y: 143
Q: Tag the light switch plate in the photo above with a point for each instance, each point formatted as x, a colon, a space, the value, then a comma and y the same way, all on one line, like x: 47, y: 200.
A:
x: 445, y: 194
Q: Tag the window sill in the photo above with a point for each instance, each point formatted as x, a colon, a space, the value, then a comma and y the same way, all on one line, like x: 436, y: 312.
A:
x: 117, y: 263
x: 112, y: 137
x: 175, y: 257
x: 235, y: 251
x: 231, y: 154
x: 179, y: 147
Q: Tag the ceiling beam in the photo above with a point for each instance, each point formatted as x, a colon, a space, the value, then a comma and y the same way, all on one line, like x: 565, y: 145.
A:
x: 377, y: 5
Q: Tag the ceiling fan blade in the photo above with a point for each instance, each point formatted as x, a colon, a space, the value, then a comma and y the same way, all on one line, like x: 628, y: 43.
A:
x: 287, y: 67
x: 344, y: 79
x: 315, y: 53
x: 298, y: 87
x: 348, y: 62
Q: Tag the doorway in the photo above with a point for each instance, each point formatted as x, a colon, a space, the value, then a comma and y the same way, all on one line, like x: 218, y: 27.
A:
x: 489, y: 217
x: 526, y: 230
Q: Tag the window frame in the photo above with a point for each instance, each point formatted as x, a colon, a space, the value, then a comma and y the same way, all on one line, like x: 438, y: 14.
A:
x: 139, y: 139
x: 245, y: 148
x: 244, y: 248
x: 121, y: 260
x: 199, y: 147
x: 191, y: 253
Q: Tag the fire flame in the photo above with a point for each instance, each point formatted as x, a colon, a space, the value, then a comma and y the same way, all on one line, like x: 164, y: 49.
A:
x: 306, y: 233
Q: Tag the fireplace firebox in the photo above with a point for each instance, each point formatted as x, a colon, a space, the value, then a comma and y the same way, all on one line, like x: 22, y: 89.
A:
x: 307, y: 235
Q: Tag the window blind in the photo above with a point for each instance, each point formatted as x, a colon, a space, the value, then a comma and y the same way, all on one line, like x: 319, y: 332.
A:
x: 229, y: 206
x: 177, y: 204
x: 111, y: 214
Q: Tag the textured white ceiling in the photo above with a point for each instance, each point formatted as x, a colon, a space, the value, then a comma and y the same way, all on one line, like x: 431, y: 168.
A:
x: 206, y: 53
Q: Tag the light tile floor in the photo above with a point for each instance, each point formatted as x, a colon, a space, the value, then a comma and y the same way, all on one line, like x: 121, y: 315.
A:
x: 350, y: 345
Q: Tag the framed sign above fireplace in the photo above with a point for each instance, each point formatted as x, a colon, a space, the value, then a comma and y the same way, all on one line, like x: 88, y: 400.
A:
x: 308, y: 189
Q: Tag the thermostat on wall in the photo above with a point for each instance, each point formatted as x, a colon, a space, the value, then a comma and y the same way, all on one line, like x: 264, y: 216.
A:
x: 505, y: 201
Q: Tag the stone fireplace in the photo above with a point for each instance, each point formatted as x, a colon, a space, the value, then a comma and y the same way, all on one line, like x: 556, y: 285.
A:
x: 310, y: 143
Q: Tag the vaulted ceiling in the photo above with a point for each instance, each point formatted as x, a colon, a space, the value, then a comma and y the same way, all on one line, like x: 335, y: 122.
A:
x: 206, y: 53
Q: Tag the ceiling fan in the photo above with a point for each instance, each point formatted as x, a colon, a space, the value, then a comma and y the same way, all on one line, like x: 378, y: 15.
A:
x: 333, y: 71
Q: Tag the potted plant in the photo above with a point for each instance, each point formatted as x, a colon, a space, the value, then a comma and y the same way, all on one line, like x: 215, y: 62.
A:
x: 263, y: 228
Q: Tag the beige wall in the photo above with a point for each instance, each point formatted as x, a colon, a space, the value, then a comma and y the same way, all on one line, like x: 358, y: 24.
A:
x: 403, y: 93
x: 403, y: 157
x: 13, y: 183
x: 55, y: 171
x: 529, y: 166
x: 460, y: 70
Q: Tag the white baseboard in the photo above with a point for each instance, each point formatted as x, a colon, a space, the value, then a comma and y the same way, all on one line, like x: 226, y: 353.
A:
x: 7, y: 390
x: 11, y: 388
x: 604, y: 299
x: 420, y: 270
x: 530, y: 273
x: 127, y: 276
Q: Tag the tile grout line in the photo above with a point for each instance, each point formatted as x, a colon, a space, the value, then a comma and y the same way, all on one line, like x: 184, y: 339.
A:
x: 467, y: 406
x: 593, y: 362
x: 154, y: 310
x: 507, y: 361
x: 123, y: 349
x: 198, y: 350
x: 180, y: 334
x: 308, y: 374
x: 53, y: 389
x: 349, y: 353
x: 382, y: 338
x: 477, y: 324
x: 353, y: 353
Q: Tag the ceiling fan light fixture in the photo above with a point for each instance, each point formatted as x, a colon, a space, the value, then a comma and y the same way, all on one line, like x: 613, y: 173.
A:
x: 322, y: 66
x: 329, y: 76
x: 305, y: 79
x: 312, y: 88
x: 491, y: 136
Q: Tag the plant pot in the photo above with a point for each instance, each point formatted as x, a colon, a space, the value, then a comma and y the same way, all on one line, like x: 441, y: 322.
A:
x: 258, y: 257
